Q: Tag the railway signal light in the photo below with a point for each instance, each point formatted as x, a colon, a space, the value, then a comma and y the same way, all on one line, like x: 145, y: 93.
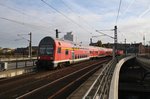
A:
x: 57, y: 32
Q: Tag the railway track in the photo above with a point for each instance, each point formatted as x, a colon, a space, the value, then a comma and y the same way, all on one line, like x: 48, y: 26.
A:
x: 38, y: 74
x: 45, y: 85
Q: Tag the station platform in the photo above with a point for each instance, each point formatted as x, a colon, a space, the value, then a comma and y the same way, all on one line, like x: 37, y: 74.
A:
x: 15, y: 72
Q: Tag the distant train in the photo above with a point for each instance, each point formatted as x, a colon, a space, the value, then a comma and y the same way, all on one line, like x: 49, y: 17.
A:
x: 54, y: 53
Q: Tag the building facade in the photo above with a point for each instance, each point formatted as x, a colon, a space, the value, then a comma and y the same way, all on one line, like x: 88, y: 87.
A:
x: 136, y: 48
x: 68, y: 36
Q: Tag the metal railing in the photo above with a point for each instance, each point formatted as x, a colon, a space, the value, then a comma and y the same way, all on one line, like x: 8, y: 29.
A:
x: 15, y: 64
x: 100, y: 87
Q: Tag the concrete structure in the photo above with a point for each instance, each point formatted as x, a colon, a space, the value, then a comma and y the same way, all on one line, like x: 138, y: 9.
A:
x: 15, y: 72
x: 13, y: 63
x: 16, y: 59
x: 113, y: 93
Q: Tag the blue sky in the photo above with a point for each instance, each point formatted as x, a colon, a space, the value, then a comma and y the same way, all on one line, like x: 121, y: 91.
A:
x: 36, y: 17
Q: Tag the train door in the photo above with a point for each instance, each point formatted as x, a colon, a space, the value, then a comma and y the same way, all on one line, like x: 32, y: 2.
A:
x: 59, y: 51
x: 72, y: 55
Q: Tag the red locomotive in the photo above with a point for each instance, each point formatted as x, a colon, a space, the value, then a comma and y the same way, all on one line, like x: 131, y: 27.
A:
x: 53, y: 53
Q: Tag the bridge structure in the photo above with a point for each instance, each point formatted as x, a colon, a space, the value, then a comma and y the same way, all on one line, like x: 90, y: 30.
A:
x: 118, y: 80
x: 114, y: 80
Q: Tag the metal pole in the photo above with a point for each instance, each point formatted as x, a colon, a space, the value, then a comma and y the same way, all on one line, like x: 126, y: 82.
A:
x: 56, y: 33
x: 125, y: 47
x: 115, y: 42
x: 134, y: 47
x: 30, y: 45
x: 90, y: 40
x: 149, y: 49
x: 29, y: 50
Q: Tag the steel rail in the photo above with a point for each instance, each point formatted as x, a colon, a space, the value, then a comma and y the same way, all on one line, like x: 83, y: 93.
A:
x: 36, y: 76
x: 61, y: 90
x: 46, y: 85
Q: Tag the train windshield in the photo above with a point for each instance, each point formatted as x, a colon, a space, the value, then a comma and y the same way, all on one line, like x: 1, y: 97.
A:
x: 46, y: 50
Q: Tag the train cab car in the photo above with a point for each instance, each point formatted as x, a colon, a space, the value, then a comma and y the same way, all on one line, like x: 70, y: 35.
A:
x: 54, y: 53
x: 51, y: 52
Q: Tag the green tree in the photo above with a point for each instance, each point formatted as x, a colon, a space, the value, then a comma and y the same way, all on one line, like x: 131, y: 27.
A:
x: 99, y: 43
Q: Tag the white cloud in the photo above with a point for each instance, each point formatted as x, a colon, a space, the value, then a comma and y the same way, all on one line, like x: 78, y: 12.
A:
x: 43, y: 21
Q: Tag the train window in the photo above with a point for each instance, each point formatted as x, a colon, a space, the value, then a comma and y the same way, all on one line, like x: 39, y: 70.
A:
x: 59, y: 43
x: 76, y: 56
x: 42, y: 51
x: 66, y: 52
x: 46, y: 50
x: 49, y: 51
x: 59, y: 50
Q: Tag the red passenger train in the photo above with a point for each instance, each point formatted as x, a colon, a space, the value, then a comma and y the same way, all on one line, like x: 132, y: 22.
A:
x: 53, y: 53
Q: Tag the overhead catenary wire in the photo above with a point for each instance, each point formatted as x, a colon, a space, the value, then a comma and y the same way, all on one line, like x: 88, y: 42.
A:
x: 97, y: 36
x: 22, y: 23
x: 12, y: 9
x: 23, y: 13
x: 118, y: 12
x: 107, y: 30
x: 68, y: 6
x: 121, y: 33
x: 104, y: 34
x: 65, y: 16
x: 127, y: 9
x: 83, y: 20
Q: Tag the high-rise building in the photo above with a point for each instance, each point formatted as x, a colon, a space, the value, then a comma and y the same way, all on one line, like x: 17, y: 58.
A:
x: 68, y: 36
